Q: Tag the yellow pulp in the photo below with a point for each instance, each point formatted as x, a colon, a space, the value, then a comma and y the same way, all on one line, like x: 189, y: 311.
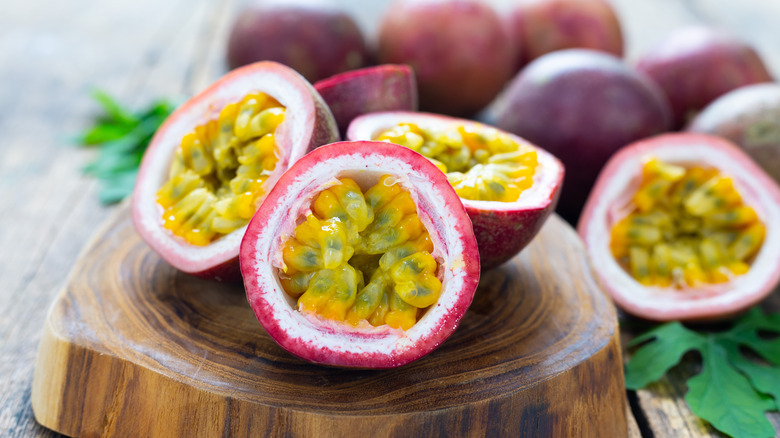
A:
x: 481, y: 164
x: 689, y: 227
x: 362, y: 257
x: 217, y: 175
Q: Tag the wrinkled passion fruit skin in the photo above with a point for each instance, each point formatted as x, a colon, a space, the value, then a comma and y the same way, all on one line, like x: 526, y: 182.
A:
x: 696, y: 65
x: 315, y: 38
x: 308, y: 124
x: 545, y: 26
x: 460, y: 52
x: 336, y: 343
x: 619, y: 180
x: 581, y: 105
x: 502, y: 229
x: 750, y: 117
x: 368, y: 90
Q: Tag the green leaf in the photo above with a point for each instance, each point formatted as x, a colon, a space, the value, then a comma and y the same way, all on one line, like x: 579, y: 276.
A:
x: 724, y: 397
x: 746, y: 332
x: 650, y: 362
x: 122, y: 137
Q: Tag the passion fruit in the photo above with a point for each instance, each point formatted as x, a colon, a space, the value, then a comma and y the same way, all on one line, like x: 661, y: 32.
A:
x: 508, y: 186
x: 212, y: 162
x: 582, y: 106
x: 696, y: 65
x: 684, y: 227
x: 315, y: 37
x: 460, y: 52
x: 544, y: 26
x: 361, y: 256
x: 368, y: 90
x: 750, y: 117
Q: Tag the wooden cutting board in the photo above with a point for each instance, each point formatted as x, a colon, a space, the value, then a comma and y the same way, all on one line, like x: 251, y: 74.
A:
x: 132, y: 347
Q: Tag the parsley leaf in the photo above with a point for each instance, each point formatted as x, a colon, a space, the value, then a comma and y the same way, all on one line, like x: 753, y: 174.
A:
x: 732, y: 392
x: 122, y: 137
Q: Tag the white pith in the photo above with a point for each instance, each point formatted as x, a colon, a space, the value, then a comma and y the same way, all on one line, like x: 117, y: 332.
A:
x: 668, y: 302
x: 296, y: 130
x: 546, y: 177
x: 289, y: 208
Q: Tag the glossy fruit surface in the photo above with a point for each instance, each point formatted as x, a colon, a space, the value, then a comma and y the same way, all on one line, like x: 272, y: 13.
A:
x: 211, y: 163
x: 582, y: 106
x: 544, y: 26
x: 750, y: 117
x: 316, y: 259
x: 696, y: 65
x: 735, y: 207
x: 460, y: 52
x: 508, y: 186
x: 380, y: 88
x: 316, y: 38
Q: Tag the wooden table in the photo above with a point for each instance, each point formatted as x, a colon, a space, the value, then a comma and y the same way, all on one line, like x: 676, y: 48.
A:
x: 53, y: 53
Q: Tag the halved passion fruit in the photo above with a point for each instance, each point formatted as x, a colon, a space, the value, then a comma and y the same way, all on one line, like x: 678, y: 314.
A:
x: 213, y: 161
x: 361, y: 256
x: 684, y: 227
x: 508, y: 186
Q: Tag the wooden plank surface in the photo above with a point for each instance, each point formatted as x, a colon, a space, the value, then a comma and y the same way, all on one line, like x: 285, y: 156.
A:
x: 53, y: 53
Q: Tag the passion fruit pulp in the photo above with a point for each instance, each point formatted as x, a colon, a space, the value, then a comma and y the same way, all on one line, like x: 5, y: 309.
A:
x: 684, y: 227
x: 361, y: 256
x: 508, y: 186
x: 213, y: 161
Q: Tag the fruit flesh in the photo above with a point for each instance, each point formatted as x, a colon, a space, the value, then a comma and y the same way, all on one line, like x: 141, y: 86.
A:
x: 217, y: 175
x: 362, y: 257
x: 481, y: 163
x: 688, y: 227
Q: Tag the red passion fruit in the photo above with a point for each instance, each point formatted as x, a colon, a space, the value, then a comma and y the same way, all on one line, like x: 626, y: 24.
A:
x: 459, y: 50
x: 381, y: 88
x: 314, y: 37
x: 696, y: 65
x: 212, y: 162
x: 361, y: 256
x: 684, y: 227
x: 508, y: 186
x: 581, y: 105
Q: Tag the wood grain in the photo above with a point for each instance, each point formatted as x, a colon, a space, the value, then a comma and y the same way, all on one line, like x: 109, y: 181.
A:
x: 134, y: 347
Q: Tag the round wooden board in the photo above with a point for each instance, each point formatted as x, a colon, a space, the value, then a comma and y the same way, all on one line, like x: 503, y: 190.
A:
x: 133, y: 348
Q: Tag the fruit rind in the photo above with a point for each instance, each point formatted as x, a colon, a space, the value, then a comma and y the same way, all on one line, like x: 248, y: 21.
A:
x: 309, y: 124
x: 502, y: 229
x: 335, y: 343
x: 617, y: 183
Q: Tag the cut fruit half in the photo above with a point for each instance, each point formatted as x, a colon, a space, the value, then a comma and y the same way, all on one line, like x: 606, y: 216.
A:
x: 212, y: 162
x: 684, y: 227
x: 361, y: 256
x: 508, y: 186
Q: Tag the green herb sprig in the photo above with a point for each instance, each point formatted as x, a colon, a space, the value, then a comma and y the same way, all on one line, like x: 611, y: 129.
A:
x: 122, y: 137
x: 732, y: 392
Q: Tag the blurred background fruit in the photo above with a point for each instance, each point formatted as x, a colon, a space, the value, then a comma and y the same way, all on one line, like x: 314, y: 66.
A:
x: 315, y: 37
x: 543, y: 26
x: 696, y: 65
x: 459, y: 50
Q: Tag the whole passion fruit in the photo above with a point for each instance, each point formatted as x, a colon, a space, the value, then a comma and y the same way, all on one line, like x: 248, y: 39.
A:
x: 684, y: 227
x: 368, y: 90
x: 543, y: 26
x: 314, y: 37
x: 460, y: 52
x: 696, y: 65
x: 210, y: 165
x: 361, y: 256
x: 582, y: 106
x: 750, y: 117
x: 508, y: 186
